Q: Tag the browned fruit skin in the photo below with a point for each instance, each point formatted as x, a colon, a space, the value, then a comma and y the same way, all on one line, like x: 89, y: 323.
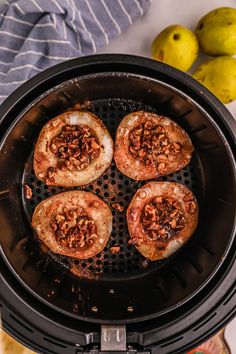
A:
x: 159, y: 249
x: 164, y: 163
x: 45, y: 160
x: 93, y: 206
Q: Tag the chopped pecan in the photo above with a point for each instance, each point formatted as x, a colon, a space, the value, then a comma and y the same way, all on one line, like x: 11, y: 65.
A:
x: 76, y: 146
x: 162, y: 158
x: 51, y: 172
x: 136, y: 241
x: 150, y: 144
x: 148, y: 124
x: 82, y: 106
x: 142, y: 153
x: 158, y: 199
x: 176, y: 147
x: 173, y: 223
x: 54, y: 226
x: 188, y: 197
x: 118, y: 207
x: 191, y: 207
x: 132, y: 150
x: 114, y: 249
x: 162, y: 218
x: 74, y: 229
x: 59, y: 218
x: 71, y: 215
x: 28, y: 191
x: 161, y: 167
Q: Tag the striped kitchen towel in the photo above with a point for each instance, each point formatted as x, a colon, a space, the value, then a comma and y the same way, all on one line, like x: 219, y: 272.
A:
x: 36, y: 34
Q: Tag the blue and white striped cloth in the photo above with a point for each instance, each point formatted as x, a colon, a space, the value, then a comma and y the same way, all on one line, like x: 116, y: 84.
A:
x: 36, y: 34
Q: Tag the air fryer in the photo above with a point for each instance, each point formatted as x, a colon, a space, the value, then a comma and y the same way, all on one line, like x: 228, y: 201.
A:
x: 119, y: 302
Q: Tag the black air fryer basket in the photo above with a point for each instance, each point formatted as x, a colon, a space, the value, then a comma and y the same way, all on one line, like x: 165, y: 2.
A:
x: 118, y: 302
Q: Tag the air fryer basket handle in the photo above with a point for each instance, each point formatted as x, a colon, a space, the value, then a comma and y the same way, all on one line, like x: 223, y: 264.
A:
x: 113, y: 340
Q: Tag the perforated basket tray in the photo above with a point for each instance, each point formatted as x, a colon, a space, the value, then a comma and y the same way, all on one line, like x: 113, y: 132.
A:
x: 112, y: 187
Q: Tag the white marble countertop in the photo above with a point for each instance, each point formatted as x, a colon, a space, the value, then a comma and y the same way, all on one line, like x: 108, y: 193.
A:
x: 137, y: 40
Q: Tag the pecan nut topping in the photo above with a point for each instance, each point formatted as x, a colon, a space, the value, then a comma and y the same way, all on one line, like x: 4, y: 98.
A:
x: 76, y: 146
x: 162, y: 218
x: 73, y: 229
x: 118, y: 207
x: 114, y: 249
x: 150, y: 144
x: 28, y: 192
x: 190, y: 203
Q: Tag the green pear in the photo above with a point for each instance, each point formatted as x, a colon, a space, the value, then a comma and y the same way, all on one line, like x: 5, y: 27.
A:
x: 176, y: 46
x: 216, y: 32
x: 219, y: 76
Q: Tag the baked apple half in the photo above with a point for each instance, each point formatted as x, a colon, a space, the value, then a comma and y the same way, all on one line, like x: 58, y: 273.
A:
x: 161, y: 218
x: 76, y: 224
x: 149, y: 146
x: 73, y: 149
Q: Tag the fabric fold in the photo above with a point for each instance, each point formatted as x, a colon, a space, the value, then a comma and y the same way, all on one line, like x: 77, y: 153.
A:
x: 36, y: 34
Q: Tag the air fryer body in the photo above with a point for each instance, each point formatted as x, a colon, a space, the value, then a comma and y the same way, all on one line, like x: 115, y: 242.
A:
x: 55, y: 304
